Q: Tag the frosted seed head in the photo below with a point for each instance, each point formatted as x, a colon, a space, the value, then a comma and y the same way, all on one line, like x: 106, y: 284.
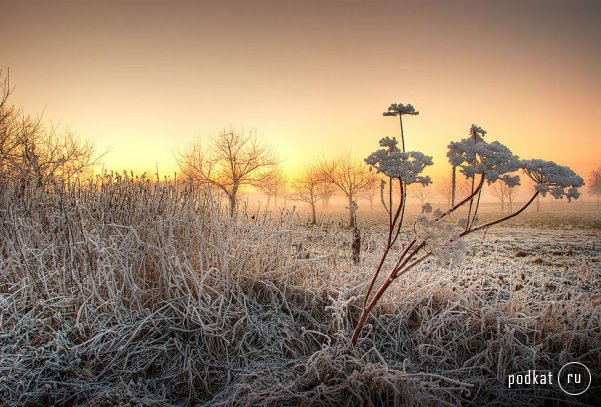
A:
x: 552, y: 178
x: 405, y: 166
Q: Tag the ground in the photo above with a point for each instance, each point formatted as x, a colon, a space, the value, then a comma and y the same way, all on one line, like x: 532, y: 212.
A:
x: 110, y: 301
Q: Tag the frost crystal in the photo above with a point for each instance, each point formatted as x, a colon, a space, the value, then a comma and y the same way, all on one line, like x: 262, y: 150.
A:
x: 395, y: 163
x: 553, y: 178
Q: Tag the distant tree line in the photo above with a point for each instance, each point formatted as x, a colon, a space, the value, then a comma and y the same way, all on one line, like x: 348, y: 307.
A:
x: 33, y: 156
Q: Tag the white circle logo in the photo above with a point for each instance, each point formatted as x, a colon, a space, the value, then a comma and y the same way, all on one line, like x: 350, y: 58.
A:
x: 576, y: 378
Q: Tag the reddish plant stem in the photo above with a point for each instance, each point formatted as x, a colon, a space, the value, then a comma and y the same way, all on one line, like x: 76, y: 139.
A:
x: 400, y: 265
x: 467, y: 232
x: 367, y: 309
x: 390, y: 242
x: 402, y: 134
x: 469, y: 211
x: 415, y: 263
x: 404, y: 266
x: 402, y: 269
x: 403, y: 197
x: 472, y: 219
x: 390, y: 211
x: 522, y: 209
x: 402, y: 260
x: 376, y: 273
x: 454, y: 208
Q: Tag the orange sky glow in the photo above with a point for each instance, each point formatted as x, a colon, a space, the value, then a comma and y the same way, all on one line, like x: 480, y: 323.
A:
x: 144, y: 79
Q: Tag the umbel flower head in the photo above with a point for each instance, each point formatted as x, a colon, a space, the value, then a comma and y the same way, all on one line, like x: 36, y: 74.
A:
x: 492, y: 160
x: 439, y: 237
x: 397, y: 109
x: 556, y: 179
x: 406, y: 166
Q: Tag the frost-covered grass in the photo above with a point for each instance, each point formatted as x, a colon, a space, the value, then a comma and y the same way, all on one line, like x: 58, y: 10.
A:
x: 128, y: 292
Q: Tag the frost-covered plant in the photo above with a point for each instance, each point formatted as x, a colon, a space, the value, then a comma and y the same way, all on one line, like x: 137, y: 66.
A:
x: 492, y: 160
x: 399, y: 109
x: 394, y: 163
x: 553, y: 178
x: 433, y: 234
x: 441, y: 238
x: 477, y: 132
x: 404, y: 168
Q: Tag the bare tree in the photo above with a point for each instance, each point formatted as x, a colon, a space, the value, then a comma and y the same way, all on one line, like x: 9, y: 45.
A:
x: 531, y: 184
x: 420, y: 191
x: 350, y: 176
x: 274, y: 184
x: 498, y: 190
x: 8, y: 126
x: 511, y: 194
x: 306, y: 188
x: 326, y: 191
x: 33, y: 155
x: 231, y: 160
x: 444, y: 186
x: 594, y: 186
x: 45, y: 155
x: 463, y: 186
x: 372, y: 191
x: 504, y: 193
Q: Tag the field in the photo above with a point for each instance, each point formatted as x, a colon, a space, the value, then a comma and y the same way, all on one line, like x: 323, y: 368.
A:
x: 131, y: 293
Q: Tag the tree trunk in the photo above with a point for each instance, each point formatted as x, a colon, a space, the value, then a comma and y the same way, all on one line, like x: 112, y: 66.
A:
x: 453, y: 185
x: 232, y: 199
x: 351, y: 212
x: 356, y: 245
x: 314, y: 219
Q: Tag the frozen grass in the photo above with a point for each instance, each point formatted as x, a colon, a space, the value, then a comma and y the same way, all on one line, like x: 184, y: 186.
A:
x: 124, y: 291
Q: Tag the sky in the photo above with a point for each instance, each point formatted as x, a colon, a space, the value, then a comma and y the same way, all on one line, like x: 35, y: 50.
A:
x: 143, y: 80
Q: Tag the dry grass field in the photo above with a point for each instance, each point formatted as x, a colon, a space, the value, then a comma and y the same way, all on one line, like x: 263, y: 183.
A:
x: 129, y: 293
